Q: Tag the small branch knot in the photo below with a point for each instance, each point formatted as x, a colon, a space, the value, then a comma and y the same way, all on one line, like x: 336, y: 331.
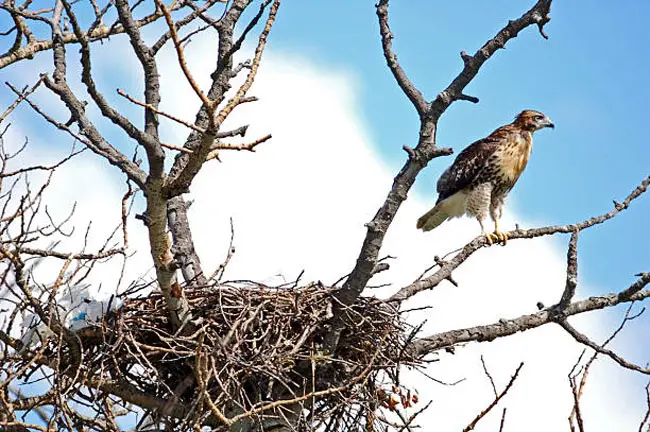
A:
x: 411, y: 152
x: 542, y: 19
x: 380, y: 267
x: 467, y: 59
x: 463, y: 96
x: 444, y: 97
x: 372, y: 226
x: 445, y: 151
x: 143, y: 217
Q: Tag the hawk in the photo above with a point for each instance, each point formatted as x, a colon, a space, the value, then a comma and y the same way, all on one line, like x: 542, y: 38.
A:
x: 478, y: 181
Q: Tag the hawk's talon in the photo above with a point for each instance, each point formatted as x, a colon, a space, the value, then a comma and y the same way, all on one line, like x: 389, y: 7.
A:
x: 490, y: 238
x: 501, y: 237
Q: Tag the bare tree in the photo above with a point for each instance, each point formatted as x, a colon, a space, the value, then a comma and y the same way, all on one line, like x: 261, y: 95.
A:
x: 197, y: 352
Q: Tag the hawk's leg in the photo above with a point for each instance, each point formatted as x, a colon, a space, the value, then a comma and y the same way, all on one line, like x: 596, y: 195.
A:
x: 496, y: 211
x: 489, y: 237
x: 478, y: 205
x: 501, y: 236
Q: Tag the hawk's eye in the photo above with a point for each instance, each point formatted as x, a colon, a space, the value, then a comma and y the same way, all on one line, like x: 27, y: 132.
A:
x: 539, y: 117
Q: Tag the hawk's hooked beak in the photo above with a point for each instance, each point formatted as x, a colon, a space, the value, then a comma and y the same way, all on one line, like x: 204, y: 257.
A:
x: 549, y: 123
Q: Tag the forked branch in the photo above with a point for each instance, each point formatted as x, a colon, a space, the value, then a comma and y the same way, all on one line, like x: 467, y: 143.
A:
x: 423, y: 153
x: 414, y: 95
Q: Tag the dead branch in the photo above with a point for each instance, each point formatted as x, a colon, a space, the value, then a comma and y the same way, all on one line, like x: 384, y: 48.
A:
x: 538, y: 14
x: 205, y: 352
x: 508, y: 327
x: 591, y: 344
x: 578, y: 389
x: 646, y: 416
x: 494, y: 403
x: 403, y: 81
x: 199, y: 155
x: 21, y: 96
x: 97, y: 33
x: 214, y: 149
x: 164, y: 114
x: 487, y: 373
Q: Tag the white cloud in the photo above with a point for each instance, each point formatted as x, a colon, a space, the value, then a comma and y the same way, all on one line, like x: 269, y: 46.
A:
x: 300, y: 202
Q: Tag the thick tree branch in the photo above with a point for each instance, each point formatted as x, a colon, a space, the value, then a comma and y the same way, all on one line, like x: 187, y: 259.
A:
x: 156, y: 213
x: 77, y: 109
x: 144, y: 138
x: 183, y: 250
x: 147, y: 59
x: 185, y: 255
x: 34, y: 46
x: 98, y: 144
x: 507, y: 327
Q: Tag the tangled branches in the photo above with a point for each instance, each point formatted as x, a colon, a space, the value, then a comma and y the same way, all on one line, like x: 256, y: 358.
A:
x: 193, y: 353
x: 254, y: 355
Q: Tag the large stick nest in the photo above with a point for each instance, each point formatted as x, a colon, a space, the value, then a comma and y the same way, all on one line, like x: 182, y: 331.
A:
x: 248, y: 345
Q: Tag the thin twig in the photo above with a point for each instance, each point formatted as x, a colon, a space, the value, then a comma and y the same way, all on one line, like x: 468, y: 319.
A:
x: 496, y: 400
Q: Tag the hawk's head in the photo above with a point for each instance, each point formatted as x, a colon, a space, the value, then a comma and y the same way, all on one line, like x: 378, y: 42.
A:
x: 532, y: 120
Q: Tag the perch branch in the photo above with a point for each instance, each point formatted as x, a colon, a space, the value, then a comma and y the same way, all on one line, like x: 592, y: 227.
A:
x: 446, y: 269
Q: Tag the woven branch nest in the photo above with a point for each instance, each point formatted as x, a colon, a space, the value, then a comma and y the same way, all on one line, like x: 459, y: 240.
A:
x: 256, y: 345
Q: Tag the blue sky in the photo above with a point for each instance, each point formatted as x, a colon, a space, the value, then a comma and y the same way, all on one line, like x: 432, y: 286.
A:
x: 588, y: 77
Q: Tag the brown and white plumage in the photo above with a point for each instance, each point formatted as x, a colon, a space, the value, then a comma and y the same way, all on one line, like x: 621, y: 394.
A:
x: 478, y: 181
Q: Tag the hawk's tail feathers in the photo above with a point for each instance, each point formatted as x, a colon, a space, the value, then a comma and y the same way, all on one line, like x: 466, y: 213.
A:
x: 450, y: 207
x: 432, y: 218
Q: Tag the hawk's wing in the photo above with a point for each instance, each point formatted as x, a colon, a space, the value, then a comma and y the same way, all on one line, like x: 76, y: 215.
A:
x: 468, y: 165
